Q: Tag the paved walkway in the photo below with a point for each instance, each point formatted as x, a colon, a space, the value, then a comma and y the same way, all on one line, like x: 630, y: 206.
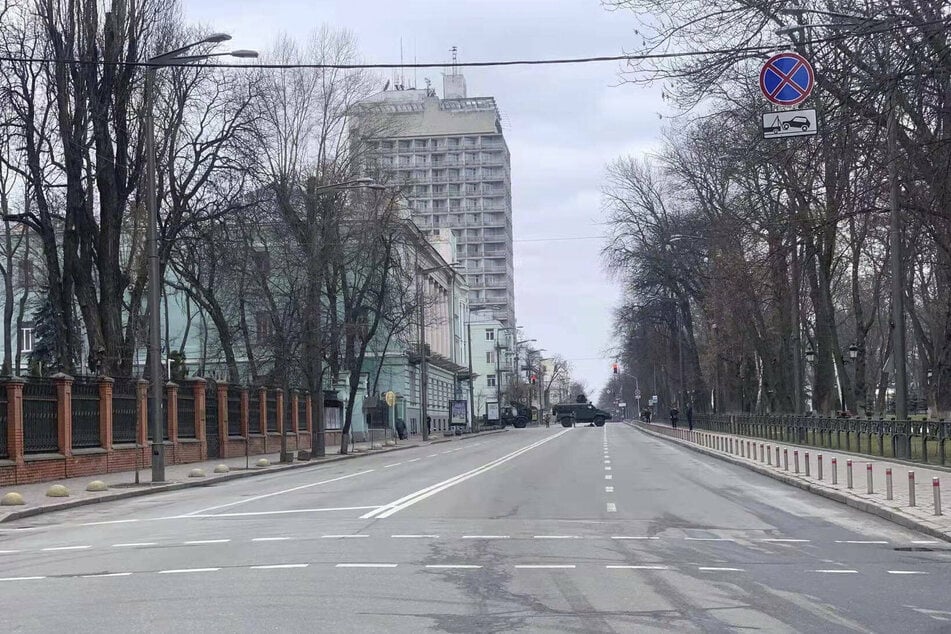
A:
x: 123, y: 484
x: 761, y: 455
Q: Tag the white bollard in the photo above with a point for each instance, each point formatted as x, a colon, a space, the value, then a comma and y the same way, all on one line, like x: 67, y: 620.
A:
x: 911, y: 488
x: 769, y: 455
x: 819, y: 466
x: 936, y: 487
x: 848, y: 473
x: 835, y: 470
x: 785, y: 459
x: 808, y: 474
x: 777, y: 457
x: 888, y: 484
x: 868, y: 477
x: 795, y: 454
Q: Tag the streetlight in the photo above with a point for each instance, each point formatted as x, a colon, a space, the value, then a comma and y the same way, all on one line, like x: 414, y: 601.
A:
x: 895, y: 245
x: 423, y: 364
x: 169, y: 58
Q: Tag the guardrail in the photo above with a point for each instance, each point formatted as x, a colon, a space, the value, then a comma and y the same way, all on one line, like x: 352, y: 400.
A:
x: 919, y: 441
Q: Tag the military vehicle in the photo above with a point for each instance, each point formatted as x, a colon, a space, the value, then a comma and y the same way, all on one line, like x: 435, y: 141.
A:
x: 570, y: 414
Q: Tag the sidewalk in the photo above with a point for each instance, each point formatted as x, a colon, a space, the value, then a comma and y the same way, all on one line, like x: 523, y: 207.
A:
x: 761, y: 455
x: 123, y: 484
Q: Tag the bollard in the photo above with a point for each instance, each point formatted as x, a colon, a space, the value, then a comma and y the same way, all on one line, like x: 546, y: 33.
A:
x: 848, y: 473
x: 911, y: 488
x: 888, y: 483
x: 749, y: 448
x: 762, y: 453
x: 785, y: 459
x: 795, y: 454
x: 819, y: 466
x: 777, y: 457
x: 730, y: 444
x: 769, y: 455
x: 868, y: 477
x: 936, y: 487
x: 808, y: 474
x: 835, y: 470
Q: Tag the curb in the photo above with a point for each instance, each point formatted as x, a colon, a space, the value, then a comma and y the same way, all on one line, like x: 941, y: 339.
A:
x: 861, y: 505
x: 234, y: 475
x: 467, y: 436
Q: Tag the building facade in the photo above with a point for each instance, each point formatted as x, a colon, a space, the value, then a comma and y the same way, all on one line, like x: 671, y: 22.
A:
x: 452, y: 158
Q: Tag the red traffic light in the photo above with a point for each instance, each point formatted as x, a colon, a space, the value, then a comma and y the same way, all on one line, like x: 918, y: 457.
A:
x: 615, y: 368
x: 534, y: 378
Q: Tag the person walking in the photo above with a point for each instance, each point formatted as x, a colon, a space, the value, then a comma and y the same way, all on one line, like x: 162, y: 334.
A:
x: 673, y: 416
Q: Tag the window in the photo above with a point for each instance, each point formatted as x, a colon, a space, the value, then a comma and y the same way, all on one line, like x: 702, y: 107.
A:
x: 490, y: 356
x: 490, y: 380
x: 262, y: 262
x: 26, y: 338
x: 262, y: 327
x: 490, y: 335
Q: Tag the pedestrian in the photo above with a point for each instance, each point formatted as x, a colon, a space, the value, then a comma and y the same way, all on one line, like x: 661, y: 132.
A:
x: 673, y: 416
x: 401, y: 428
x: 429, y: 425
x: 690, y: 416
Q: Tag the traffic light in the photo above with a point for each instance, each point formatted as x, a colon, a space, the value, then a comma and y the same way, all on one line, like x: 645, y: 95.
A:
x: 534, y: 379
x: 615, y: 368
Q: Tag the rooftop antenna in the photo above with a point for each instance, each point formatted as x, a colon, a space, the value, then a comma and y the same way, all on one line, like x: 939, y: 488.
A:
x: 455, y: 59
x: 414, y: 63
x: 402, y: 78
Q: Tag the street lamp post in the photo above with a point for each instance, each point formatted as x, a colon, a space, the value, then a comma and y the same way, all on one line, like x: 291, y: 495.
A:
x: 854, y: 355
x: 169, y: 58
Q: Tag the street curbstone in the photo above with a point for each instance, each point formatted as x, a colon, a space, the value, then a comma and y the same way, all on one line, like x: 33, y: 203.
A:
x: 12, y: 499
x: 97, y: 485
x: 57, y: 491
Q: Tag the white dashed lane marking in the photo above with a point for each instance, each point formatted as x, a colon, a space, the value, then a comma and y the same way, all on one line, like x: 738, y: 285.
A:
x: 632, y: 537
x: 557, y: 537
x: 639, y: 567
x: 279, y: 566
x: 709, y: 539
x: 718, y: 569
x: 838, y: 571
x: 609, y: 489
x: 860, y: 541
x: 342, y: 536
x: 611, y: 507
x: 179, y: 571
x: 55, y: 548
x: 608, y: 477
x: 415, y: 536
x: 107, y: 574
x: 486, y: 537
x: 134, y: 545
x: 270, y: 539
x: 199, y: 542
x: 395, y: 464
x: 20, y: 578
x: 906, y: 572
x: 783, y: 540
x: 453, y: 566
x: 366, y: 565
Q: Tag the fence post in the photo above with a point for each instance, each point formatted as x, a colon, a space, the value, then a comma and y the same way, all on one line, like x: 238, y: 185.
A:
x: 911, y: 488
x: 105, y: 412
x: 198, y: 391
x: 769, y: 455
x: 15, y: 420
x: 64, y: 412
x: 171, y: 390
x: 777, y: 459
x: 888, y: 483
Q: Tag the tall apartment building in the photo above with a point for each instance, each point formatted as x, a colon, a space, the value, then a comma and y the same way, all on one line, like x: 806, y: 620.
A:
x: 451, y: 156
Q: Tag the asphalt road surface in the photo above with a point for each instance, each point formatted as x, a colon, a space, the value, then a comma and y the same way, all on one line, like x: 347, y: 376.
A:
x: 535, y: 530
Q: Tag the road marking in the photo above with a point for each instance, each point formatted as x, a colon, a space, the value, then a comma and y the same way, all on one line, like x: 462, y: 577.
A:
x: 270, y: 539
x: 107, y: 574
x: 273, y: 493
x: 486, y: 537
x: 134, y: 544
x: 718, y: 569
x: 8, y: 552
x: 545, y: 566
x: 709, y: 539
x: 20, y: 578
x: 925, y: 541
x: 366, y: 565
x: 609, y: 489
x: 638, y: 567
x: 418, y: 496
x: 449, y: 451
x: 612, y: 507
x: 341, y: 536
x: 839, y: 572
x: 103, y: 523
x: 607, y: 468
x: 609, y: 477
x: 395, y: 464
x: 607, y: 462
x: 783, y: 540
x: 279, y: 566
x: 413, y: 460
x: 453, y: 566
x: 187, y: 570
x: 415, y: 536
x: 906, y: 572
x: 289, y: 511
x: 199, y: 542
x: 432, y: 455
x: 632, y: 537
x: 860, y: 541
x: 55, y: 548
x: 557, y: 537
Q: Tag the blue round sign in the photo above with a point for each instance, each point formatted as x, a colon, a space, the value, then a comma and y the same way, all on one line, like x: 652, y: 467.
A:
x: 786, y: 79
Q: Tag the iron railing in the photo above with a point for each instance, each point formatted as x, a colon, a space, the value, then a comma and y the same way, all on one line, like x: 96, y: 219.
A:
x: 234, y: 412
x: 254, y: 411
x: 85, y: 400
x: 4, y: 451
x: 164, y: 415
x: 921, y: 441
x: 40, y: 424
x: 186, y: 413
x: 125, y: 411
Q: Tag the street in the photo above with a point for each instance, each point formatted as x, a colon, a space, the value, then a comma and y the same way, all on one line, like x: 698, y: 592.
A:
x: 537, y: 530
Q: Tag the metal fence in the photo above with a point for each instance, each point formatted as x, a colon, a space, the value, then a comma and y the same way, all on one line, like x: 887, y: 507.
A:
x: 164, y: 415
x: 40, y: 425
x: 272, y: 412
x: 254, y: 411
x: 4, y: 452
x: 186, y: 412
x: 125, y: 411
x: 922, y: 441
x: 234, y: 412
x: 302, y: 411
x: 85, y: 402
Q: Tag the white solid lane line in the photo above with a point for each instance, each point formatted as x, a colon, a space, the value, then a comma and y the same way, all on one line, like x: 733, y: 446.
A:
x: 612, y: 507
x: 273, y: 493
x: 279, y: 566
x: 199, y: 542
x: 638, y: 567
x: 914, y: 541
x: 289, y: 511
x: 839, y: 571
x: 545, y: 566
x: 366, y: 566
x: 107, y: 574
x: 134, y: 544
x: 906, y: 572
x: 55, y: 548
x: 179, y: 571
x: 270, y: 539
x: 453, y: 566
x: 20, y: 578
x: 418, y: 496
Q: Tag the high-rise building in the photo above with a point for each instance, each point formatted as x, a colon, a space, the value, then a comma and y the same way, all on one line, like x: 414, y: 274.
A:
x: 451, y: 156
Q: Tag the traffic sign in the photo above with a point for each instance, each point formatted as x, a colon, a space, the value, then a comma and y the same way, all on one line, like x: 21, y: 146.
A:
x: 637, y: 394
x: 786, y: 79
x: 390, y: 398
x: 789, y: 123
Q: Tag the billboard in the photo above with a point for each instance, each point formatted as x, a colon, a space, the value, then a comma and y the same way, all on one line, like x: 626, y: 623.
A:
x: 458, y: 412
x: 492, y: 411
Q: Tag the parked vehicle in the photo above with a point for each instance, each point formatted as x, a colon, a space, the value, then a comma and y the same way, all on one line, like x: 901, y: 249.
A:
x: 570, y: 414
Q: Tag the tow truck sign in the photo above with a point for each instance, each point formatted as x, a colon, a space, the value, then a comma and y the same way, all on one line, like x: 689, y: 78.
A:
x: 786, y: 123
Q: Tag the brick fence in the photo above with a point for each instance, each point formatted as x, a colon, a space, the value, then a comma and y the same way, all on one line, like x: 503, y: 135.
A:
x: 61, y: 427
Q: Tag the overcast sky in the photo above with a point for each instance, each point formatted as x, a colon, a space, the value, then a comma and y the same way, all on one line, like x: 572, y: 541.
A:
x: 563, y: 124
